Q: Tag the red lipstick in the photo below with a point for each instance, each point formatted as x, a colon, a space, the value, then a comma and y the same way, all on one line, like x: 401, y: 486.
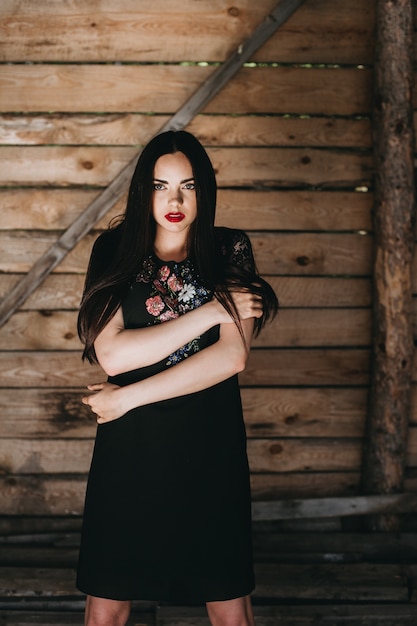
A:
x: 174, y: 217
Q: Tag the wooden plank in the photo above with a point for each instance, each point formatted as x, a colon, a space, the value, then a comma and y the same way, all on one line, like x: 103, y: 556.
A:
x: 354, y: 582
x: 63, y: 291
x: 274, y: 367
x: 18, y: 555
x: 303, y: 615
x: 64, y: 618
x: 264, y: 167
x: 65, y: 456
x: 31, y: 495
x: 293, y: 367
x: 137, y: 88
x: 57, y: 330
x: 272, y: 545
x: 358, y: 582
x: 364, y: 615
x: 51, y: 413
x: 200, y: 31
x: 42, y: 369
x: 314, y: 328
x: 42, y: 618
x: 298, y: 455
x: 26, y: 582
x: 59, y: 291
x: 212, y: 130
x: 54, y: 209
x: 38, y: 526
x: 22, y: 456
x: 40, y: 495
x: 311, y: 291
x: 335, y: 507
x: 313, y: 484
x: 47, y: 413
x: 291, y: 254
x: 73, y: 456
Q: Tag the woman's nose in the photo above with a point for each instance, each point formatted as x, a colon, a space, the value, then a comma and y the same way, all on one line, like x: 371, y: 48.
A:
x: 176, y: 198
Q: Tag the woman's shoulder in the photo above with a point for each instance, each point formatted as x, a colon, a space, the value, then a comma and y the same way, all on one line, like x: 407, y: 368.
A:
x: 235, y: 247
x: 229, y: 237
x: 102, y: 253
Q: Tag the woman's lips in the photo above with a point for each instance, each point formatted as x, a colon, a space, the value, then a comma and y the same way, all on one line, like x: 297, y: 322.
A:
x: 174, y: 217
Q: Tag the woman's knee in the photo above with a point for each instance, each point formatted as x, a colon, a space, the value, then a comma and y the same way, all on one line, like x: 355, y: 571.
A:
x: 104, y: 612
x: 237, y: 612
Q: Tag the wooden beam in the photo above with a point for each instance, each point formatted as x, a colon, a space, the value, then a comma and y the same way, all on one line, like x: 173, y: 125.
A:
x: 104, y: 202
x: 392, y: 360
x: 334, y: 507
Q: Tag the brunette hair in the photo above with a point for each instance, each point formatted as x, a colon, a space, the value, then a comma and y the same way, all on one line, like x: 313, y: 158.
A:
x: 119, y: 252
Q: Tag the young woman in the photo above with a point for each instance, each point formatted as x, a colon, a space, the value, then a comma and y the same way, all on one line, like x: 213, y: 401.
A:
x: 169, y: 309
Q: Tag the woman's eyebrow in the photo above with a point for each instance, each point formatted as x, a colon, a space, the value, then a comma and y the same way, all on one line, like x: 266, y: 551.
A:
x: 186, y: 180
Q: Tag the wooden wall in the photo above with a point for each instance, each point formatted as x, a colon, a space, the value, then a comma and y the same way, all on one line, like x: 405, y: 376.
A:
x: 82, y: 86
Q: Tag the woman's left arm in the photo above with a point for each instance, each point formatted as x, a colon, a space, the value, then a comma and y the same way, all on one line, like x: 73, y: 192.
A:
x: 203, y: 369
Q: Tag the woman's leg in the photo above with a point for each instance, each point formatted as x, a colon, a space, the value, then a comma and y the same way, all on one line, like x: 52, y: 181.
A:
x: 237, y: 612
x: 103, y: 612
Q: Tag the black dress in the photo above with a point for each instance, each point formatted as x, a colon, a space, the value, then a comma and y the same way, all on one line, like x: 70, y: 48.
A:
x: 167, y: 511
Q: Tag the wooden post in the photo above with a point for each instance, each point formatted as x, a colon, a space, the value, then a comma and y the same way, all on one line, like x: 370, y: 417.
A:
x: 389, y: 398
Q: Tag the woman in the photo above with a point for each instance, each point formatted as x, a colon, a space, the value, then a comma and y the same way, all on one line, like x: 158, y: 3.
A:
x: 167, y: 512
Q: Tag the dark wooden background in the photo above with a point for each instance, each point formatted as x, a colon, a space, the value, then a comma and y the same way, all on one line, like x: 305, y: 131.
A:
x: 82, y: 87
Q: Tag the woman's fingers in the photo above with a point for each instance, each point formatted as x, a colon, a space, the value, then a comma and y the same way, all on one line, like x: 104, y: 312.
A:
x: 104, y: 402
x: 247, y: 304
x: 96, y: 386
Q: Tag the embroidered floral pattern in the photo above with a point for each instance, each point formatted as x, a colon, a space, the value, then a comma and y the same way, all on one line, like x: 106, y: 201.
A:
x: 175, y: 289
x: 238, y: 250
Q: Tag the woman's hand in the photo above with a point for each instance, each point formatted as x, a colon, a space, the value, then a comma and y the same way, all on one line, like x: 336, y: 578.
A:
x: 106, y: 402
x: 248, y: 305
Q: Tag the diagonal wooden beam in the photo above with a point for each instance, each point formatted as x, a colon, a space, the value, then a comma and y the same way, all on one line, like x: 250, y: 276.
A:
x: 105, y: 200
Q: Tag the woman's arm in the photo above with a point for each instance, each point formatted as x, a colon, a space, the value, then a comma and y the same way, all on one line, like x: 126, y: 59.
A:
x: 120, y: 350
x: 203, y: 369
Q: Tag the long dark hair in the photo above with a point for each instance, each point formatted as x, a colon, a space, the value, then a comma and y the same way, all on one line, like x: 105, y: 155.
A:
x: 120, y: 251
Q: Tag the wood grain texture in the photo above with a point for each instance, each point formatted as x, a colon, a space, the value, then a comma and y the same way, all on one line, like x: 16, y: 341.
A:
x: 250, y: 167
x: 296, y: 254
x: 212, y: 130
x: 63, y: 292
x: 327, y: 412
x: 354, y: 582
x: 393, y: 346
x: 73, y: 456
x: 164, y: 88
x: 55, y: 209
x: 273, y: 367
x: 203, y: 31
x: 57, y: 330
x: 64, y: 495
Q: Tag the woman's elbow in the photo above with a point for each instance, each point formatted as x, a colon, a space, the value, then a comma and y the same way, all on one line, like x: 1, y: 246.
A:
x: 107, y: 363
x: 239, y: 360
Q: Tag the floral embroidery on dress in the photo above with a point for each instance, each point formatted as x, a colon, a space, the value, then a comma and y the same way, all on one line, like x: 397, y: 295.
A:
x: 174, y: 291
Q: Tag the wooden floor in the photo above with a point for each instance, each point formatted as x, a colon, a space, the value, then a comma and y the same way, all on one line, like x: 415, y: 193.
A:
x: 305, y: 577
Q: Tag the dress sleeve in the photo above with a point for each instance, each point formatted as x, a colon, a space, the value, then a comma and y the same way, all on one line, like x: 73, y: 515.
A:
x: 237, y: 250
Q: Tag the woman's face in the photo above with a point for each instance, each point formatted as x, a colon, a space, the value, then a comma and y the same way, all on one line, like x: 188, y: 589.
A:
x: 174, y: 203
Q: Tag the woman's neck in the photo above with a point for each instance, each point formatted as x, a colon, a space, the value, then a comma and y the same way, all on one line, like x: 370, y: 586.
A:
x: 170, y: 252
x: 171, y: 248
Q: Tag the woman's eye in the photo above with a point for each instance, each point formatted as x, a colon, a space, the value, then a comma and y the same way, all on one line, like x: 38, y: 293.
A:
x: 158, y: 186
x: 190, y: 186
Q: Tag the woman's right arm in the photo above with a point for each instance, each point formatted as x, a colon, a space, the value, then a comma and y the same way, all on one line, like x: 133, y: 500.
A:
x: 120, y: 350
